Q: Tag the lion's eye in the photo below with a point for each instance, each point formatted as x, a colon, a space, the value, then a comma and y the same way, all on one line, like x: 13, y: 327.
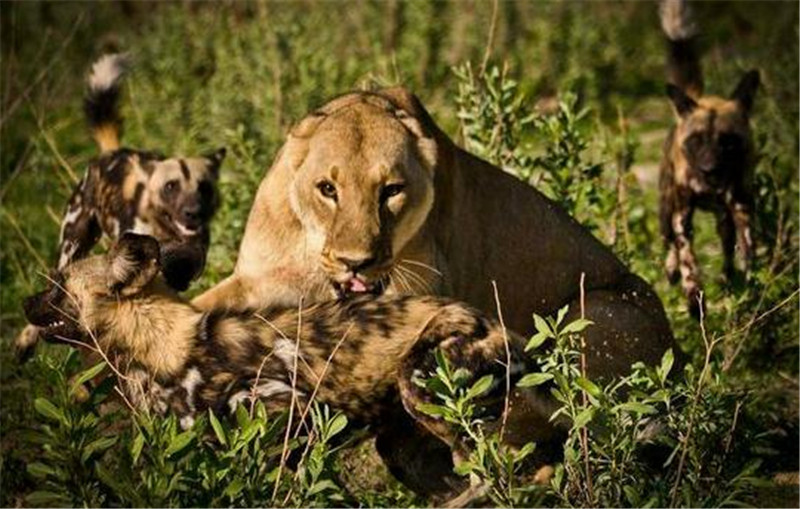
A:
x: 391, y: 190
x: 327, y: 189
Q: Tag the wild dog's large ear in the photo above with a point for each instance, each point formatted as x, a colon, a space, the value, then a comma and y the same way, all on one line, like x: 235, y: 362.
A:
x: 745, y: 92
x: 133, y: 263
x: 683, y: 104
x: 215, y: 159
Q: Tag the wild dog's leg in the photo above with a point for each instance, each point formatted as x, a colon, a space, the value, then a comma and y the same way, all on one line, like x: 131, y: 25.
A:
x: 690, y: 273
x: 741, y: 212
x: 666, y: 211
x: 727, y: 233
x: 80, y: 229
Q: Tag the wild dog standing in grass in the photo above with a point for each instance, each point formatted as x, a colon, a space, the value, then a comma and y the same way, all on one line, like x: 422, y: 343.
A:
x: 171, y: 198
x: 356, y: 355
x: 708, y: 158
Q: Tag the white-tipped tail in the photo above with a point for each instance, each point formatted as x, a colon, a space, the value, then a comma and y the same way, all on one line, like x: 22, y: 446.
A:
x: 107, y: 71
x: 676, y: 20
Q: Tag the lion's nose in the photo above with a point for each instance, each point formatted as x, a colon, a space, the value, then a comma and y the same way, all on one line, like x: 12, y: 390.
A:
x: 356, y: 263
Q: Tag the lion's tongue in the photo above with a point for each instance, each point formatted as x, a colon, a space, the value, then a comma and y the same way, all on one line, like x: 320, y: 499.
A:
x: 357, y: 286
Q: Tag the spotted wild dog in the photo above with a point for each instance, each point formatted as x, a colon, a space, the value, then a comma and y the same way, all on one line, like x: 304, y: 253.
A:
x: 358, y: 355
x: 124, y: 189
x: 708, y: 158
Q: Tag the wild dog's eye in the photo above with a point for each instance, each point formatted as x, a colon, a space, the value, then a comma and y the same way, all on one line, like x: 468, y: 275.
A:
x: 391, y: 190
x: 729, y: 142
x: 206, y: 189
x: 327, y: 189
x: 171, y: 186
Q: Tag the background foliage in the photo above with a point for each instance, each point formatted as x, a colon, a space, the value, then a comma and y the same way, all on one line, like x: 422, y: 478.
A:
x: 566, y: 95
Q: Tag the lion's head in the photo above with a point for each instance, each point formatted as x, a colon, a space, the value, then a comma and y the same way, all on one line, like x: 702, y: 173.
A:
x: 362, y: 186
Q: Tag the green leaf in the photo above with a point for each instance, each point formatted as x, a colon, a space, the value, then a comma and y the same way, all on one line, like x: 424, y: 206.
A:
x: 561, y: 314
x: 44, y: 498
x: 526, y: 450
x: 250, y: 431
x: 320, y: 486
x: 432, y: 410
x: 666, y: 365
x: 589, y: 386
x: 40, y: 470
x: 481, y: 386
x: 463, y: 468
x: 49, y: 410
x: 583, y: 418
x: 219, y: 431
x: 534, y: 379
x: 338, y: 423
x: 180, y: 442
x: 536, y: 341
x: 542, y: 326
x: 136, y: 447
x: 636, y: 407
x: 234, y: 488
x: 87, y: 375
x: 99, y: 445
x: 242, y: 417
x: 576, y: 326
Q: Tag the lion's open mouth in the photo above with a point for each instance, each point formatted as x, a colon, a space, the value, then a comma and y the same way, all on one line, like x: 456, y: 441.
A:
x: 357, y: 285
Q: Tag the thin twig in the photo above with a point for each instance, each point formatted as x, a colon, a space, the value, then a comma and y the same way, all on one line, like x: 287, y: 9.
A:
x: 508, y: 359
x: 490, y: 42
x: 584, y: 432
x: 744, y: 330
x: 56, y: 58
x: 709, y: 344
x: 254, y: 388
x: 25, y: 240
x: 285, y: 451
x: 322, y: 376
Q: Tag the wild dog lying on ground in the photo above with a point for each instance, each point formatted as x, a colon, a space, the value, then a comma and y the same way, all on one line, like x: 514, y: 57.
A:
x: 708, y: 158
x: 172, y: 199
x: 358, y: 355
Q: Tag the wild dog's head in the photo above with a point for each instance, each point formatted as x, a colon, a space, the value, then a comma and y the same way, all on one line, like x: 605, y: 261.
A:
x: 713, y: 133
x: 176, y: 200
x: 181, y: 192
x: 88, y: 294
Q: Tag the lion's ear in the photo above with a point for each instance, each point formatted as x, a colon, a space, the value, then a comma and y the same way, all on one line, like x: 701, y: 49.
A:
x: 134, y: 260
x: 416, y: 119
x: 295, y: 149
x: 427, y: 148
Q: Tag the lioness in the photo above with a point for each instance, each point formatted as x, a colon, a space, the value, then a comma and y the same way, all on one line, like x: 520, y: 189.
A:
x: 369, y: 195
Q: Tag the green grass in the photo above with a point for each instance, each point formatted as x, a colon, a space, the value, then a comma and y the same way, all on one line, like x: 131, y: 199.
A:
x: 239, y: 74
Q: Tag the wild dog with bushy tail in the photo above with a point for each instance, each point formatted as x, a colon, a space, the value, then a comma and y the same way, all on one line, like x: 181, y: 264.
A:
x: 124, y: 189
x: 708, y: 158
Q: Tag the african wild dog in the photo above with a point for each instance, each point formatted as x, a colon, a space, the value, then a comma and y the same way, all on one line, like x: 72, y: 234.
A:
x: 708, y: 158
x: 357, y: 355
x: 170, y: 198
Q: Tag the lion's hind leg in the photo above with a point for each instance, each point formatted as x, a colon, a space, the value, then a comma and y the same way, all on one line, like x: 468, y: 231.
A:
x: 629, y: 325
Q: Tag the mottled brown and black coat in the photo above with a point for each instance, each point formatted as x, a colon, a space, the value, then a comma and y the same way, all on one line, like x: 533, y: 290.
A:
x: 708, y: 159
x: 358, y: 355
